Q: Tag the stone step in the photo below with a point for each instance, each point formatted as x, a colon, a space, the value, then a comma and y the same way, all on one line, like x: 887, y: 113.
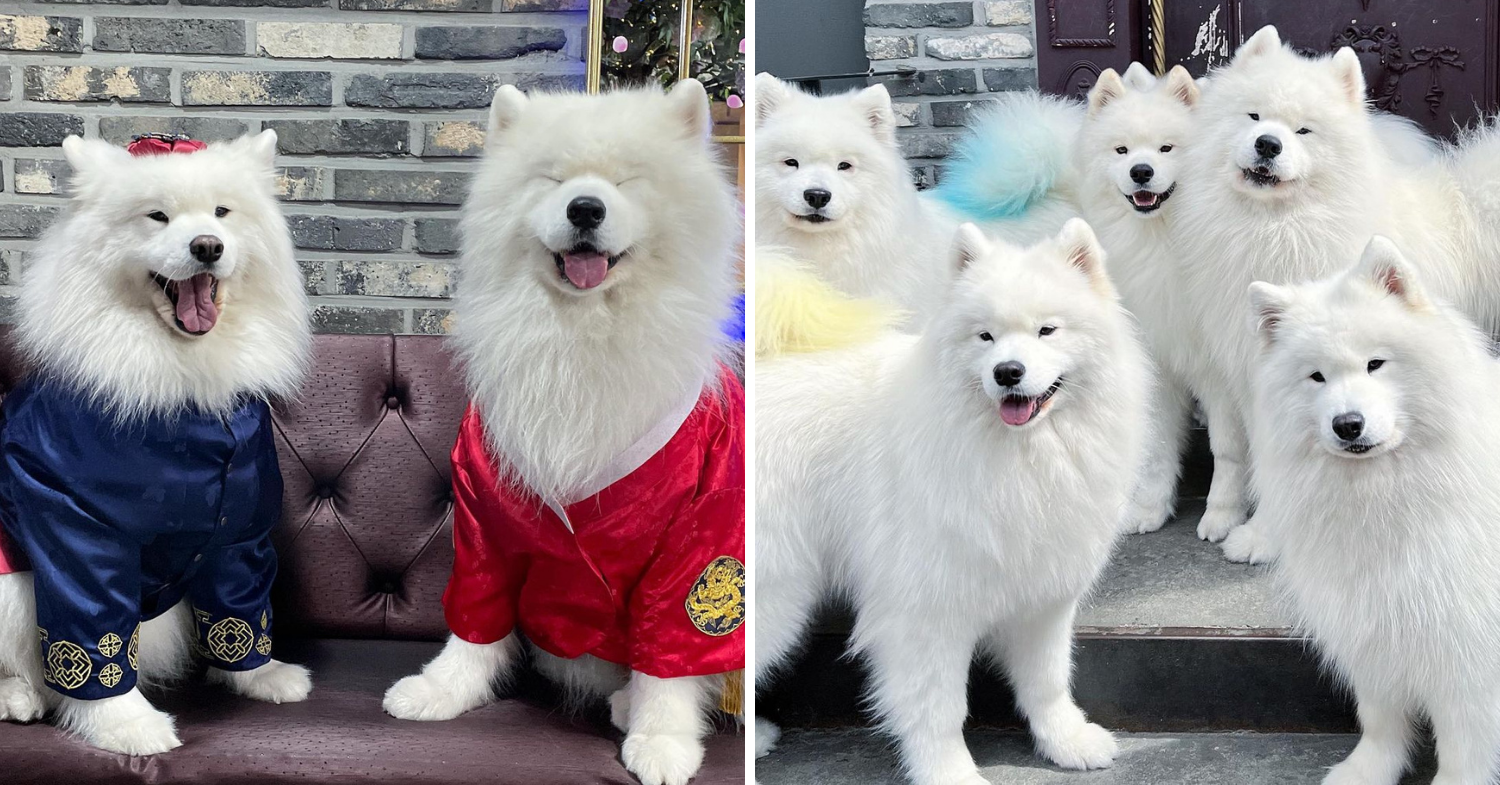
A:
x: 1175, y: 639
x: 858, y: 757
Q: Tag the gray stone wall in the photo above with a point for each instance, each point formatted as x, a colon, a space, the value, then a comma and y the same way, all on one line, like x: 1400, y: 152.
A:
x: 378, y: 105
x: 960, y: 50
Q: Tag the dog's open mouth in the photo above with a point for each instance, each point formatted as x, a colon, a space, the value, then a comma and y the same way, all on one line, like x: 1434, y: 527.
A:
x: 1022, y: 409
x: 812, y: 218
x: 1149, y: 201
x: 585, y: 267
x: 1261, y: 176
x: 195, y: 303
x: 1358, y: 449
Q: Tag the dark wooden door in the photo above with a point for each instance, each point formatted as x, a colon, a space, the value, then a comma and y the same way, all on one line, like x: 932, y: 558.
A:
x: 1078, y: 39
x: 1435, y: 61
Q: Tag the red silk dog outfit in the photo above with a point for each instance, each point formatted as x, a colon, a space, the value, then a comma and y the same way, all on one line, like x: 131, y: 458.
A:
x: 647, y: 572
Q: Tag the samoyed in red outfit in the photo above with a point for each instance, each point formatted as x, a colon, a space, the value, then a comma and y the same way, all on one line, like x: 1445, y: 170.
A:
x: 599, y: 472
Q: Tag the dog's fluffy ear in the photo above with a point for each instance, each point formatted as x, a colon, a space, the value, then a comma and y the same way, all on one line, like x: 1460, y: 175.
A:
x: 1081, y: 249
x: 1138, y: 77
x: 1265, y: 41
x: 260, y: 148
x: 770, y: 94
x: 1351, y: 76
x: 690, y: 105
x: 1109, y: 87
x: 1180, y: 85
x: 1268, y: 304
x: 1383, y: 265
x: 505, y: 110
x: 86, y: 156
x: 874, y: 102
x: 969, y: 244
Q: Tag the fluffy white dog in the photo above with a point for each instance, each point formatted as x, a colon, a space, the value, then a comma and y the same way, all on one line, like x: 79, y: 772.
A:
x: 597, y: 267
x: 1289, y: 175
x: 963, y: 487
x: 169, y: 287
x: 1375, y: 429
x: 832, y: 188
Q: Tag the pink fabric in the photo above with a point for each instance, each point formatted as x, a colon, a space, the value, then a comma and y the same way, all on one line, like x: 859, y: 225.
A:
x: 157, y: 144
x: 11, y: 559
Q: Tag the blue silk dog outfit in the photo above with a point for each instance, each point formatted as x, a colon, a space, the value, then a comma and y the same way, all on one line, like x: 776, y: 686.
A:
x: 121, y: 520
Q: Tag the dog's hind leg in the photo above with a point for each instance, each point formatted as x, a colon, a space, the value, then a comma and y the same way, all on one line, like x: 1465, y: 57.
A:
x: 1037, y: 653
x: 919, y: 688
x: 581, y: 678
x: 1154, y: 499
x: 789, y: 587
x: 23, y: 698
x: 1385, y: 741
x: 166, y: 646
x: 463, y: 676
x: 667, y: 720
x: 1228, y: 492
x: 1467, y: 727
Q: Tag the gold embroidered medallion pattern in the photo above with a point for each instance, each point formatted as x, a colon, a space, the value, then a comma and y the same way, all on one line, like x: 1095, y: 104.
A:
x: 134, y: 648
x: 110, y: 645
x: 68, y: 665
x: 110, y: 675
x: 230, y: 639
x: 716, y: 603
x: 264, y: 645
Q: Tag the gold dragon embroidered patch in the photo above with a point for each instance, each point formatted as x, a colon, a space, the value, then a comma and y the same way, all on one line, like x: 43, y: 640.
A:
x: 716, y: 603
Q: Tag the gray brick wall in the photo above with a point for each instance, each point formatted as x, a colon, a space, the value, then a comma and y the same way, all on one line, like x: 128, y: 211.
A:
x: 378, y: 105
x: 961, y: 50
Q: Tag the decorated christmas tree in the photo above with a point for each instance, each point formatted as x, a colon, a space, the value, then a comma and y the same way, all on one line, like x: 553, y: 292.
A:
x: 640, y: 38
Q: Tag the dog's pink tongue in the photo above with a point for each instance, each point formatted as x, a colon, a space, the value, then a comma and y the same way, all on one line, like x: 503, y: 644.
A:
x: 585, y: 270
x: 1017, y: 411
x: 195, y: 303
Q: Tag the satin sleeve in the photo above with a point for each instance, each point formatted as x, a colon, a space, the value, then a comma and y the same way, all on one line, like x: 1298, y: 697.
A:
x: 482, y: 598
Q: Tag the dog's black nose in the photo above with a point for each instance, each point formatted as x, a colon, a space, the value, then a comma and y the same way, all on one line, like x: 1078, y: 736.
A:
x: 818, y: 197
x: 1009, y: 373
x: 1349, y: 425
x: 1267, y: 146
x: 586, y: 212
x: 1142, y: 173
x: 206, y: 248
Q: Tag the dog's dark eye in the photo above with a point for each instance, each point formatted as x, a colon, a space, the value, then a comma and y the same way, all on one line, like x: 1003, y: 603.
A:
x: 1122, y: 149
x: 792, y: 162
x: 1166, y: 148
x: 1304, y: 131
x: 1317, y: 377
x: 985, y: 336
x: 845, y: 166
x: 1374, y: 365
x: 1046, y: 330
x: 220, y: 212
x: 157, y: 215
x: 1255, y: 117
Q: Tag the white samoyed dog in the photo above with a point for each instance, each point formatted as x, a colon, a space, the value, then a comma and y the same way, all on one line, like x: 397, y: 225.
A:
x: 1375, y: 429
x: 964, y: 487
x: 1289, y: 174
x: 106, y: 305
x: 832, y: 189
x: 570, y: 359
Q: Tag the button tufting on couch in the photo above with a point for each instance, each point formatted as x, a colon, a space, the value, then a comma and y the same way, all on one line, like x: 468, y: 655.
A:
x: 366, y: 545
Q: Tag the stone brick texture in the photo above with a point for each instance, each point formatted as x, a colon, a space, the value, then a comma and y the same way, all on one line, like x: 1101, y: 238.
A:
x: 942, y: 60
x: 379, y: 106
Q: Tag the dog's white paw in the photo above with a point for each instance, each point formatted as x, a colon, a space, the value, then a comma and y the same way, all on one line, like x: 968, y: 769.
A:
x: 421, y: 697
x: 1144, y: 519
x: 766, y: 736
x: 1217, y: 523
x: 619, y: 710
x: 1353, y: 772
x: 662, y: 759
x: 148, y: 732
x: 1249, y: 545
x: 274, y: 682
x: 19, y: 701
x: 1086, y: 746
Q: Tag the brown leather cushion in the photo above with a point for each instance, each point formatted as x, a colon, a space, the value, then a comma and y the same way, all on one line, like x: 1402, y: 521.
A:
x: 341, y: 735
x: 366, y: 538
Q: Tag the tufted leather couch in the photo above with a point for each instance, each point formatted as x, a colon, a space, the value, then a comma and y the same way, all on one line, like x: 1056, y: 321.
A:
x: 366, y: 546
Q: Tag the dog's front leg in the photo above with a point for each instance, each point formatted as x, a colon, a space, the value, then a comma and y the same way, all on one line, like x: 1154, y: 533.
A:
x: 1467, y: 727
x: 1228, y: 489
x: 273, y: 682
x: 22, y: 696
x: 126, y: 723
x: 1037, y: 652
x: 1385, y: 740
x: 462, y: 677
x: 665, y: 721
x: 920, y: 689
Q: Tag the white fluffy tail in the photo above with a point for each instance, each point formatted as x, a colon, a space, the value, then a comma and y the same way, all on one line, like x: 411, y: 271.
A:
x: 1014, y: 154
x: 1475, y: 166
